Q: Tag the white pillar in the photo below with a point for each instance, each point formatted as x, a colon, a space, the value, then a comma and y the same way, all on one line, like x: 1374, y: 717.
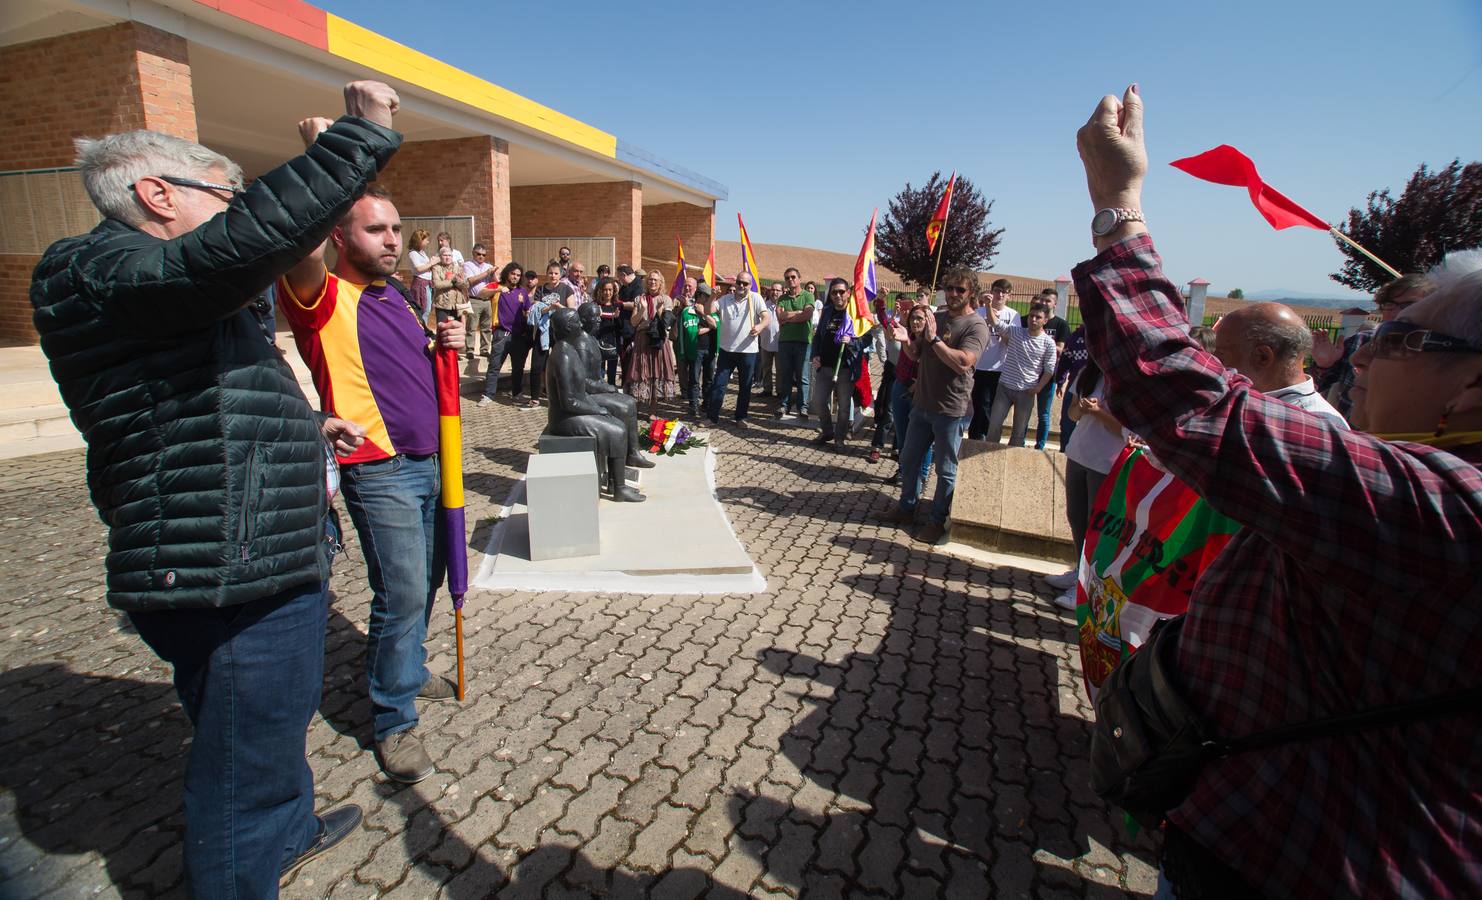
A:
x: 1198, y: 288
x: 1062, y: 296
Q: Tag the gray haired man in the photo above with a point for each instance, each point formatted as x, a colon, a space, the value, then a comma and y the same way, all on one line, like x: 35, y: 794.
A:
x: 207, y: 463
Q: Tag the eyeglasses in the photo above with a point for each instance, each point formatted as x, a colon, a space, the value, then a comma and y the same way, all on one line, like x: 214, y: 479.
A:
x: 837, y: 292
x: 1406, y: 340
x: 954, y: 288
x: 198, y: 185
x: 477, y: 253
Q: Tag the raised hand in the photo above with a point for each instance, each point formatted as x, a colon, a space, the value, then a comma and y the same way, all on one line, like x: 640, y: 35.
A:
x: 1112, y: 151
x: 309, y: 129
x: 1324, y: 352
x: 373, y: 100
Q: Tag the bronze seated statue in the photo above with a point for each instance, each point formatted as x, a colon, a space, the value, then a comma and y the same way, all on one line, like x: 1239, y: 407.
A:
x: 583, y: 405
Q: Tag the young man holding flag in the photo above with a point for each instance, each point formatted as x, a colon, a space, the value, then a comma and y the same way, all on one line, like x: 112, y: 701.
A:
x: 836, y: 361
x: 372, y: 363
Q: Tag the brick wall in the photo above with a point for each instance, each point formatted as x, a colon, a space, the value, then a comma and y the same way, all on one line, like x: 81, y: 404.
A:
x: 591, y: 209
x: 91, y: 83
x: 456, y: 177
x: 85, y: 84
x: 15, y: 308
x: 695, y: 225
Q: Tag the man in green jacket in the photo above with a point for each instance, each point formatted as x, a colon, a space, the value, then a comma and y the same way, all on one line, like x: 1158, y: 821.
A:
x: 211, y: 469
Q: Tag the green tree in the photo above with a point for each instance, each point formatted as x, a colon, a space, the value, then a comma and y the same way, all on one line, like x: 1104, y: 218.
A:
x: 1236, y: 294
x: 1437, y: 212
x: 969, y: 240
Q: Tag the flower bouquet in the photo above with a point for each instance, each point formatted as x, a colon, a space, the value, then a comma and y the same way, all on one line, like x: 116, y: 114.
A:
x: 669, y: 437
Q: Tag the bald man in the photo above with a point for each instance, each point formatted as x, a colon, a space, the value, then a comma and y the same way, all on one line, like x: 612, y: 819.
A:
x: 1269, y: 343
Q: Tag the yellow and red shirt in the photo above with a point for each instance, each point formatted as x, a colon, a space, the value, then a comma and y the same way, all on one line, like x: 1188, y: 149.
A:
x: 368, y: 354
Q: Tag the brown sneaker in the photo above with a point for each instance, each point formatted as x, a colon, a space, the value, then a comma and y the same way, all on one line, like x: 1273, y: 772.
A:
x: 402, y: 758
x: 437, y: 688
x: 931, y: 533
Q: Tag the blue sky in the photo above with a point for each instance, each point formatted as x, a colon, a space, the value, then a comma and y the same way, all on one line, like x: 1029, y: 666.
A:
x: 814, y: 113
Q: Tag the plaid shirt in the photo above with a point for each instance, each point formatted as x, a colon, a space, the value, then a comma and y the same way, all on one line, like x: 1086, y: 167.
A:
x: 1354, y: 584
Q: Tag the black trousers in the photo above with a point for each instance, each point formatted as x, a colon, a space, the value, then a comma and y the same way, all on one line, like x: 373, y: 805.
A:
x: 985, y: 385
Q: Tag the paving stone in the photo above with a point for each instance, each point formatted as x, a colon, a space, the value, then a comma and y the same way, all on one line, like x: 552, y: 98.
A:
x: 882, y: 721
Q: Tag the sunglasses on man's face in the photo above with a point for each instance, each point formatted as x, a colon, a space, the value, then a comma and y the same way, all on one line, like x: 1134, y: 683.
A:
x: 1406, y: 340
x: 954, y: 288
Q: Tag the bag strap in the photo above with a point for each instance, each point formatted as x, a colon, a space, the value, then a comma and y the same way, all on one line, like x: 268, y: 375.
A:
x: 1464, y: 700
x: 1165, y: 638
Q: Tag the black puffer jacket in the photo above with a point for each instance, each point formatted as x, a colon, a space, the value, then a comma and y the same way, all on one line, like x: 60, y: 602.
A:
x: 204, y: 458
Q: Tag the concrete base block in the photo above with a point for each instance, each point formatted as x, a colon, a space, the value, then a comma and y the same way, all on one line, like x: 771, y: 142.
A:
x: 1011, y: 500
x: 561, y: 489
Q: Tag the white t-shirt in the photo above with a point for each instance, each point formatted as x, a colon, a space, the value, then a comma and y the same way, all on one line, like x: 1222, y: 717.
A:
x: 768, y: 337
x: 1304, y: 395
x: 1092, y: 444
x: 991, y: 359
x: 419, y: 260
x: 737, y: 316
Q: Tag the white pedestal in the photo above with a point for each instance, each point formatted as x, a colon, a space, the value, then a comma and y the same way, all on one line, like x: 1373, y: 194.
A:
x: 561, y: 491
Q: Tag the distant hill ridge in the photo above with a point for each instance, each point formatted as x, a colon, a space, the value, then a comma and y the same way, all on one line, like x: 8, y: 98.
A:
x: 817, y: 265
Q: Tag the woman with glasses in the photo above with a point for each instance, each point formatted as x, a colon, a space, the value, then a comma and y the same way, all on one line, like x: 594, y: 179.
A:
x: 1335, y: 374
x: 1351, y: 587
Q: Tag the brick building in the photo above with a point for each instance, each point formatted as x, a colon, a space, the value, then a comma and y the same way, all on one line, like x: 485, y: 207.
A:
x: 479, y: 161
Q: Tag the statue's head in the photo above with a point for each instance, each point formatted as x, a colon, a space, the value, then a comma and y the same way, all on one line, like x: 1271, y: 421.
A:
x: 565, y: 324
x: 590, y: 316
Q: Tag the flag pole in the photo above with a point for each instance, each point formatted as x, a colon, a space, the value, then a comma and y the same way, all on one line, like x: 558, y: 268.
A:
x: 941, y: 244
x: 458, y: 628
x: 1360, y: 248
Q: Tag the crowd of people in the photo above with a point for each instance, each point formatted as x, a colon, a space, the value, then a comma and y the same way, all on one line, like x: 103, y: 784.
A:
x: 1345, y: 599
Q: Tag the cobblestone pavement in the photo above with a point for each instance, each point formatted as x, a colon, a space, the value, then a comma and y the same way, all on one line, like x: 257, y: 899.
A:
x: 884, y: 721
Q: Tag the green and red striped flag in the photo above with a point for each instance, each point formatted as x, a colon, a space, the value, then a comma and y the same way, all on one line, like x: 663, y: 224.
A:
x: 1149, y: 539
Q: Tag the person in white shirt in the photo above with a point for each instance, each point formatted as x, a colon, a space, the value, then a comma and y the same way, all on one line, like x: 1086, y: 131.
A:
x: 743, y: 318
x: 1028, y: 364
x: 767, y: 341
x: 1269, y: 343
x: 993, y: 307
x: 478, y: 322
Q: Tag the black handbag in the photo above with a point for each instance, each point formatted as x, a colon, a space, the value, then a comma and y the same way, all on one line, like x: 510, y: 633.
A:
x: 1149, y: 744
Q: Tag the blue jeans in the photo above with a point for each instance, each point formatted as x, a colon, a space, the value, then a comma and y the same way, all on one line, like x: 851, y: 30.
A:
x: 498, y: 350
x: 943, y: 434
x: 249, y: 678
x: 393, y: 503
x: 900, y: 411
x: 1044, y: 401
x: 745, y: 364
x: 792, y: 371
x: 695, y: 385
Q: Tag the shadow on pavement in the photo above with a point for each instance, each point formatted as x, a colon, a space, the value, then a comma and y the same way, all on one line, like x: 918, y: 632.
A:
x: 947, y: 748
x: 94, y: 765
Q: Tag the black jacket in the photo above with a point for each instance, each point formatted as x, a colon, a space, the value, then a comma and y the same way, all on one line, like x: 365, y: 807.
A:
x: 203, y: 457
x: 826, y: 344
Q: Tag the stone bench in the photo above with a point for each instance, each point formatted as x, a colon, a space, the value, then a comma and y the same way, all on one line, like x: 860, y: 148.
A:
x: 561, y: 497
x: 1011, y: 500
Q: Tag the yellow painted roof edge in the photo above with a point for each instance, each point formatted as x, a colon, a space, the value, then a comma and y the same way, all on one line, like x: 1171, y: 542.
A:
x: 363, y: 46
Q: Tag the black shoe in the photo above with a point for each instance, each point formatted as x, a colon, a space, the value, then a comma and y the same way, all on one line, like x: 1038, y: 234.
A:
x: 334, y: 826
x: 823, y: 439
x: 893, y: 480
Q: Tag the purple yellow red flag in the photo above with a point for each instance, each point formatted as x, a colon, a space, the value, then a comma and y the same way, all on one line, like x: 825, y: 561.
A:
x: 707, y: 274
x: 861, y: 301
x: 748, y: 259
x: 1226, y: 165
x: 939, y: 218
x: 677, y: 290
x: 450, y: 466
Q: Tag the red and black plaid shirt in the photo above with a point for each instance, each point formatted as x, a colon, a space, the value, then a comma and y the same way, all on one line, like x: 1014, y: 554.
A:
x: 1354, y: 584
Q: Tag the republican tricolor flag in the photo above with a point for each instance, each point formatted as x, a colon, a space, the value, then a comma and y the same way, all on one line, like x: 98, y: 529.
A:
x: 748, y: 259
x: 707, y: 274
x: 861, y: 300
x: 939, y: 218
x: 678, y: 289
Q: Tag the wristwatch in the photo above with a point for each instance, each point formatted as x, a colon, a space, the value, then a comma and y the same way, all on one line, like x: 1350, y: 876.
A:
x: 936, y: 339
x: 1106, y: 220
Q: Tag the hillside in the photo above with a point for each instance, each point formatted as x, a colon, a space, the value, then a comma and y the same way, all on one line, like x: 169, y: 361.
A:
x: 818, y: 265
